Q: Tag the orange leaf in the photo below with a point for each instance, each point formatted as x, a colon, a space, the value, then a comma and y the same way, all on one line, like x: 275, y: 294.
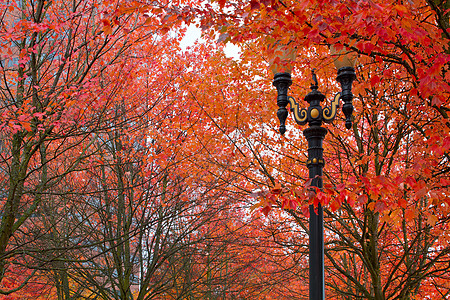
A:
x: 401, y: 9
x: 107, y: 30
x: 334, y: 205
x: 26, y: 126
x: 410, y: 214
x: 432, y: 220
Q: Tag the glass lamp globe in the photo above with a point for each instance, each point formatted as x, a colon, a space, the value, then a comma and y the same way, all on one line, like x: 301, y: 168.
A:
x: 283, y: 58
x: 343, y: 58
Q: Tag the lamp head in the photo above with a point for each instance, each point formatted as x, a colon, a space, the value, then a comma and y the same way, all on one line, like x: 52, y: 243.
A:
x: 343, y: 57
x: 345, y: 60
x: 282, y: 58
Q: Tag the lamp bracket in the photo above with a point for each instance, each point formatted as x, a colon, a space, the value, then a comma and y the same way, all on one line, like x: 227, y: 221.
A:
x: 300, y: 114
x: 329, y: 112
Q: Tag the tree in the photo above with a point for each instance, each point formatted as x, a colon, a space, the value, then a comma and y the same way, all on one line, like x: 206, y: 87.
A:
x: 54, y: 56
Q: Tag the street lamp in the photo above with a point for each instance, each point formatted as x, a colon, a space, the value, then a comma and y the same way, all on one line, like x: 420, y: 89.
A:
x: 314, y: 116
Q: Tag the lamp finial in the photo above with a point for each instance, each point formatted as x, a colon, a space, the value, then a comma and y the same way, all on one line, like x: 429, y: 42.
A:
x: 315, y: 83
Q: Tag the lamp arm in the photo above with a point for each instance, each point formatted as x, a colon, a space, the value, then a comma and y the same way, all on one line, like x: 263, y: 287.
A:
x: 300, y: 114
x: 329, y: 112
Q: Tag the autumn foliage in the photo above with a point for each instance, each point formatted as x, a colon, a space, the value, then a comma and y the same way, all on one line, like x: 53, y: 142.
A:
x: 131, y: 168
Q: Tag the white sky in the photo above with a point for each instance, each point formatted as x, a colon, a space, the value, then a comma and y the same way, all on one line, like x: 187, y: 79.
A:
x: 194, y: 33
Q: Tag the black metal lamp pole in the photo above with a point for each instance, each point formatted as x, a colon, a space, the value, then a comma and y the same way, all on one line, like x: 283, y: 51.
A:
x: 314, y: 116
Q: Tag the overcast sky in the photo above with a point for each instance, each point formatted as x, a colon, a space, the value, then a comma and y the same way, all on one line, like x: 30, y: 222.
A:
x: 194, y: 33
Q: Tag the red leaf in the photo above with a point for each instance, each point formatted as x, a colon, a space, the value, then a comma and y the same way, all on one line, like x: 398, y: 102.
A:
x: 340, y: 187
x: 374, y: 80
x: 351, y: 200
x: 362, y: 199
x: 276, y: 189
x: 266, y: 210
x: 223, y: 37
x: 380, y: 206
x: 411, y: 181
x: 254, y: 4
x: 322, y: 26
x: 293, y: 204
x: 402, y: 202
x: 420, y: 193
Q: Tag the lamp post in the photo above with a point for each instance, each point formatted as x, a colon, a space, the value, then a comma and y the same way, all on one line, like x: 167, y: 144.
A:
x: 314, y: 116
